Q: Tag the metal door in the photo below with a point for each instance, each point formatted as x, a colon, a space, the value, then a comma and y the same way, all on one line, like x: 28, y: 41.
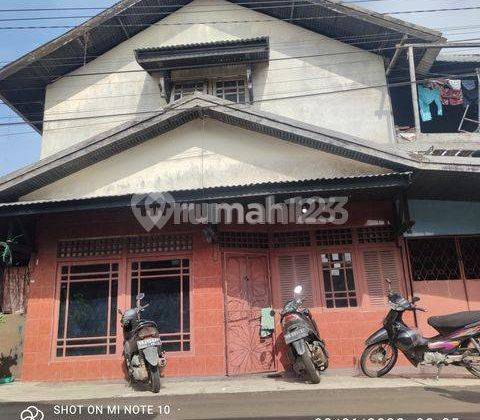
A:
x: 438, y: 279
x: 247, y: 291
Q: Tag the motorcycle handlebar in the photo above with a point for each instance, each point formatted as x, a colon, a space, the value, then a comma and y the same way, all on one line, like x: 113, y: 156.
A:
x: 418, y: 308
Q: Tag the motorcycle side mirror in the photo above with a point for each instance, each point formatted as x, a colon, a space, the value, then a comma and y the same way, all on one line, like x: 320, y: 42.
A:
x: 415, y: 299
x: 140, y: 296
x: 298, y: 290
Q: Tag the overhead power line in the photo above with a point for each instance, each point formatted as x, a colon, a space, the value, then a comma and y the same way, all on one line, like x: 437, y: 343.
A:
x: 273, y: 19
x: 161, y: 110
x: 109, y: 72
x: 51, y: 9
x: 213, y: 10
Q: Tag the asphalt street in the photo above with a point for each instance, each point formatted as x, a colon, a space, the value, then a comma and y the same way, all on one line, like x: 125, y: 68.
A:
x: 436, y: 403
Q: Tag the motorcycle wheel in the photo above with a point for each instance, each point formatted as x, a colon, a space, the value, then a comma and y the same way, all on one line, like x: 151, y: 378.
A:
x: 154, y: 376
x: 373, y: 349
x: 474, y: 368
x: 310, y: 369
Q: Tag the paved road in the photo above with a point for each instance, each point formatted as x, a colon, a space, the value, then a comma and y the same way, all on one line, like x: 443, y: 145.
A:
x: 437, y: 403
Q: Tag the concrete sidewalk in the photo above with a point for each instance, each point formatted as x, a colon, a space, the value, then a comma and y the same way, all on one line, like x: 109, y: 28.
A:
x: 333, y: 379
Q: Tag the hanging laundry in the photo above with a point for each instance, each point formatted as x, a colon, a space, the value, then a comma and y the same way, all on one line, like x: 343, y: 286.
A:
x: 454, y: 83
x: 470, y: 92
x: 451, y: 92
x: 427, y: 96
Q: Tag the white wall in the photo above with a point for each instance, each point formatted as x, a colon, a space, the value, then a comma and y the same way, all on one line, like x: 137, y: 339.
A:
x: 202, y: 153
x: 363, y: 113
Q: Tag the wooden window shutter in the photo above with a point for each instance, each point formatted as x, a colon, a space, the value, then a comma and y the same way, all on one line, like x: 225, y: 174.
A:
x: 294, y: 270
x: 378, y: 265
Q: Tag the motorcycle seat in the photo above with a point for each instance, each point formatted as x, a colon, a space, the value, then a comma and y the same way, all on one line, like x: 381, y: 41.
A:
x: 454, y: 321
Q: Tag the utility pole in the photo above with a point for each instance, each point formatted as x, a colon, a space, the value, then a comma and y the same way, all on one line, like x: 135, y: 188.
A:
x: 413, y: 85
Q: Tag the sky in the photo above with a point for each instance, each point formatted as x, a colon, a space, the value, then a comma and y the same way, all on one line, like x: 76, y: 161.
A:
x: 20, y: 145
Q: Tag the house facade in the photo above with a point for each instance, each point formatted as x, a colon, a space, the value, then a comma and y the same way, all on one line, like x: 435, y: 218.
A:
x: 238, y: 106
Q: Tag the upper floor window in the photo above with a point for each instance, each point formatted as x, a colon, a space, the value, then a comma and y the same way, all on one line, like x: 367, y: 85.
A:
x: 231, y: 89
x: 226, y: 66
x: 187, y: 88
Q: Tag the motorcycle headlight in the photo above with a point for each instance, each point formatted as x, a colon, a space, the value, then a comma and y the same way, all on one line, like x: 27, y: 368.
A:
x: 147, y: 332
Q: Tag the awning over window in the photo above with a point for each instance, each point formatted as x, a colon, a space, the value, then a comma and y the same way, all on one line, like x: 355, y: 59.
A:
x: 176, y: 57
x: 439, y: 218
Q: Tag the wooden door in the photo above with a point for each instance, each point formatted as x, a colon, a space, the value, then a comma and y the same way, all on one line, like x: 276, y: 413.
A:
x: 247, y: 291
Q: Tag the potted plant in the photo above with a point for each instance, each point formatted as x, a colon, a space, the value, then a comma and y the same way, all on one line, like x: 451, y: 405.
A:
x: 5, y: 361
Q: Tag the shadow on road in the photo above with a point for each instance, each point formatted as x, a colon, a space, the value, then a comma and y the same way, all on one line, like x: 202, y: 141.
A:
x: 458, y: 395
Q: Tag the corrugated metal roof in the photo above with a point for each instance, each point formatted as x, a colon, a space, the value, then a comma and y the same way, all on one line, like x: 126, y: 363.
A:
x: 23, y: 82
x: 459, y: 58
x: 172, y: 57
x: 224, y: 43
x: 384, y: 185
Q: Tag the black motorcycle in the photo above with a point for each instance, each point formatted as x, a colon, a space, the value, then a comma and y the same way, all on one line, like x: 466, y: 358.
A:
x: 458, y: 341
x: 142, y: 347
x: 306, y: 349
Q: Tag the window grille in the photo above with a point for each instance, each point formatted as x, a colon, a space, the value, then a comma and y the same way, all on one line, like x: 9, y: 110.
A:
x: 470, y: 248
x: 376, y: 234
x: 334, y: 237
x: 290, y: 239
x: 166, y: 284
x: 231, y: 90
x: 89, y: 247
x: 116, y: 245
x: 338, y: 278
x: 87, y: 322
x: 244, y: 240
x: 158, y: 243
x: 434, y: 259
x: 183, y: 89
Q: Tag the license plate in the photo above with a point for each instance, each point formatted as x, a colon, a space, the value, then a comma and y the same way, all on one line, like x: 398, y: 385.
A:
x: 149, y: 342
x: 296, y: 335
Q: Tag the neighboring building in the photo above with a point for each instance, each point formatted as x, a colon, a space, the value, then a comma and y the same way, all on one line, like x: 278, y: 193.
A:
x: 228, y: 104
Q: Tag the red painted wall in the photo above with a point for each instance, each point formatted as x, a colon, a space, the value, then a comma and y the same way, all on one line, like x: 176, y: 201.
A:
x: 208, y: 342
x: 344, y: 330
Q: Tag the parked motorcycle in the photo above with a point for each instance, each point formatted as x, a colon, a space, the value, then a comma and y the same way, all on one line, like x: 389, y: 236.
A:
x: 306, y: 349
x: 458, y: 341
x: 142, y: 347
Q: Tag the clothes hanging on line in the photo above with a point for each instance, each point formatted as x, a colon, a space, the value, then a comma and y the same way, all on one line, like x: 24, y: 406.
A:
x: 427, y: 96
x: 470, y: 92
x: 455, y: 84
x: 450, y: 90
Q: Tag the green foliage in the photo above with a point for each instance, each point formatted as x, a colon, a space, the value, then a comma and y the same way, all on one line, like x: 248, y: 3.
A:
x: 3, y: 318
x: 6, y: 250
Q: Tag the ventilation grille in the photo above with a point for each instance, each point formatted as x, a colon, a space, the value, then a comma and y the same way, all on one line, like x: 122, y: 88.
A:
x: 291, y: 239
x: 334, y: 237
x: 377, y: 234
x: 158, y: 243
x: 118, y: 245
x: 295, y: 270
x: 244, y: 240
x: 381, y: 265
x: 90, y: 247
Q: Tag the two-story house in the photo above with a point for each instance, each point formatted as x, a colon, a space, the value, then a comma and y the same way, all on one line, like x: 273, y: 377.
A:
x: 219, y: 102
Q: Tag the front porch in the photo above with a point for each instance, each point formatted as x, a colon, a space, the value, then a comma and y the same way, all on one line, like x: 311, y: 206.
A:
x: 90, y: 263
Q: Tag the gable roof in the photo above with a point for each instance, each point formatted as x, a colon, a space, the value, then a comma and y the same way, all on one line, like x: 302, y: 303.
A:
x: 23, y: 82
x: 200, y: 105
